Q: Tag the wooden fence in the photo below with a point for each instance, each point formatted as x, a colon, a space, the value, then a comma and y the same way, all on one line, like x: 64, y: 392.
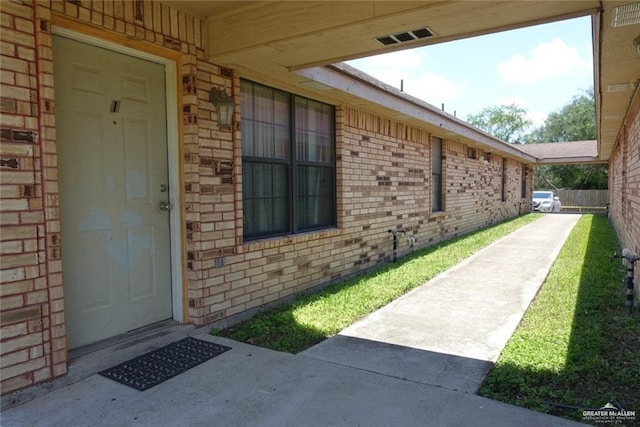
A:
x: 583, y: 198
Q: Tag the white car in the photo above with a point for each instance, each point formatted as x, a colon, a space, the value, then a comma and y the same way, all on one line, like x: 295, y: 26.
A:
x: 546, y: 201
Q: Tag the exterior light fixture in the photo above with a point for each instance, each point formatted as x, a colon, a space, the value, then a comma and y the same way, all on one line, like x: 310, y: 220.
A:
x: 224, y: 104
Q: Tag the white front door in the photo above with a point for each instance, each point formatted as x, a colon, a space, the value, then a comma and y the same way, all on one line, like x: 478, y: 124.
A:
x: 112, y: 164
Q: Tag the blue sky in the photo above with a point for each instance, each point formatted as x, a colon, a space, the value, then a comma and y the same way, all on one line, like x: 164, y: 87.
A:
x: 539, y: 68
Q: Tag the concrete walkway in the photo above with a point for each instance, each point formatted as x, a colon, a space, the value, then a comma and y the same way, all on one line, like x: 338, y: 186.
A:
x: 449, y: 331
x: 415, y: 362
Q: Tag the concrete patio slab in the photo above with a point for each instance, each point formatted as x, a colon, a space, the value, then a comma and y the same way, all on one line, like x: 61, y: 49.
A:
x: 251, y: 386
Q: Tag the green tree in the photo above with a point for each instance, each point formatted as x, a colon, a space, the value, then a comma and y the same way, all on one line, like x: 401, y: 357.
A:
x: 576, y: 121
x: 576, y: 177
x: 507, y: 122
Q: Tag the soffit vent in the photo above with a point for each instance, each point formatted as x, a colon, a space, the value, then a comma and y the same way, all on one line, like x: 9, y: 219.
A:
x: 409, y: 36
x: 627, y: 14
x: 618, y: 87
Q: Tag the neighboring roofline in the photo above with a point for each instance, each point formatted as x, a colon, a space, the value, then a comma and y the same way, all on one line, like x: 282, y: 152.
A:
x: 353, y: 81
x: 571, y: 152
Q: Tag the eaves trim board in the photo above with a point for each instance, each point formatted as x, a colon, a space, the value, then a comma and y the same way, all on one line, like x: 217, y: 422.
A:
x: 569, y: 160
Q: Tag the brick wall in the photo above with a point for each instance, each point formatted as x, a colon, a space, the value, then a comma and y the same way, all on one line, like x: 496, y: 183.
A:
x: 33, y: 346
x: 32, y: 319
x: 624, y: 183
x: 383, y: 182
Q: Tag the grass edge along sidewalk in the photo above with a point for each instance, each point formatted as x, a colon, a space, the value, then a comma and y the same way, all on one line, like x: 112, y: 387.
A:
x: 314, y: 317
x: 576, y: 347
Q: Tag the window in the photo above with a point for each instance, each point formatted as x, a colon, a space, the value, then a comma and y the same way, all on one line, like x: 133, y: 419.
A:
x: 436, y: 175
x: 504, y: 180
x: 471, y: 153
x: 523, y: 190
x: 288, y: 162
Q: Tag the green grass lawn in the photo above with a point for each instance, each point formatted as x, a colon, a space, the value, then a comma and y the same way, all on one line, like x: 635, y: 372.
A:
x: 576, y: 345
x: 312, y: 318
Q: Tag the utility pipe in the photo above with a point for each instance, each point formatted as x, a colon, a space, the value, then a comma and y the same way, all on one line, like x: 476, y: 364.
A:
x: 630, y: 264
x: 395, y: 242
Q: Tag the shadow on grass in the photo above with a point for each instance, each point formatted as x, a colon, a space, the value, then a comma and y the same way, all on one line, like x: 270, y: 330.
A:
x: 278, y: 329
x: 602, y: 357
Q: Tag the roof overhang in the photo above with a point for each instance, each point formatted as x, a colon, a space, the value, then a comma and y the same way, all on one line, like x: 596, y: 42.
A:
x: 617, y: 68
x: 356, y: 88
x: 303, y: 34
x: 564, y: 153
x: 269, y: 41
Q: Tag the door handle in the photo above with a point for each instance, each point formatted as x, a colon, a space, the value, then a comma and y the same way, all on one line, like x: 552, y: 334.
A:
x: 165, y: 206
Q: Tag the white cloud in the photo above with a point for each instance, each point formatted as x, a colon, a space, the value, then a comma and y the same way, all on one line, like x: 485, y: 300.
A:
x: 547, y: 60
x: 537, y: 117
x: 433, y: 88
x: 404, y: 66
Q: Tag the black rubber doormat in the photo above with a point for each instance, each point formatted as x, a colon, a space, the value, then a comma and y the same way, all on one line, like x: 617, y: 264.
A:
x: 159, y: 365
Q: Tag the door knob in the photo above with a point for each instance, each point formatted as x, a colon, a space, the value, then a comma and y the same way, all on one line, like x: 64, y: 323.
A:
x: 165, y: 206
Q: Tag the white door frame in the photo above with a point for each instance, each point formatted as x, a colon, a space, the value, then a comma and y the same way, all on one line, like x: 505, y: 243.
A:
x: 173, y: 150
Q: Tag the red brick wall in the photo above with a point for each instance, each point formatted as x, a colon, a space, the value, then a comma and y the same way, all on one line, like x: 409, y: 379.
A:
x: 383, y: 182
x: 624, y: 183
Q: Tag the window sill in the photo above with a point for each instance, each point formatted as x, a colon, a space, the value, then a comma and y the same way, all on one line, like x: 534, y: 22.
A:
x: 276, y: 242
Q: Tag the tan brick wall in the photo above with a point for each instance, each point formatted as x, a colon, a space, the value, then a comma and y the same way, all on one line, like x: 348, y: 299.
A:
x: 30, y: 318
x: 383, y: 182
x: 32, y: 340
x: 624, y: 184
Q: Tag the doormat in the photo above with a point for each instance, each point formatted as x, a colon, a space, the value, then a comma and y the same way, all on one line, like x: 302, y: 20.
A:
x: 159, y: 365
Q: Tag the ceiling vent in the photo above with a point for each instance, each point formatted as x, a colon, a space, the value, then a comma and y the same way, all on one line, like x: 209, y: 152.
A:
x: 409, y: 36
x: 618, y: 87
x: 627, y: 14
